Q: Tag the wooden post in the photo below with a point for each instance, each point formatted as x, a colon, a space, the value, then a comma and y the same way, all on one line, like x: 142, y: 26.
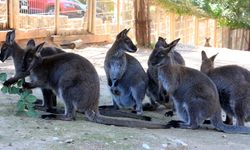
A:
x: 196, y: 31
x: 118, y: 13
x: 172, y: 26
x: 158, y: 21
x: 215, y: 33
x: 185, y: 30
x: 89, y: 15
x: 10, y: 14
x: 57, y: 15
x: 93, y: 16
x: 15, y: 13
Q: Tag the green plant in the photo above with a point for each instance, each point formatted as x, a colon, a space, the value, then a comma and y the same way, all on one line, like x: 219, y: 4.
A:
x: 25, y: 104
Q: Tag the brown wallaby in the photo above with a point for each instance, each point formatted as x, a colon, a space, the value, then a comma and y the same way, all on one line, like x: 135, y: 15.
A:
x: 126, y: 77
x: 233, y: 85
x: 194, y: 95
x: 152, y: 72
x: 207, y: 42
x: 11, y: 48
x: 74, y: 80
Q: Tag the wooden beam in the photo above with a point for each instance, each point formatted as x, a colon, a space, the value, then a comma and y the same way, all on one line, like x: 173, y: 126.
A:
x: 89, y: 16
x: 26, y: 34
x: 15, y: 10
x: 57, y: 15
x: 215, y: 33
x: 89, y: 38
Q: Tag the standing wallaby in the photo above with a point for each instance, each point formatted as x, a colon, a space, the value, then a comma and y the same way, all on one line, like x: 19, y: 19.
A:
x: 194, y: 95
x: 11, y: 48
x: 233, y: 85
x: 207, y: 42
x: 152, y: 72
x: 75, y: 81
x: 126, y: 77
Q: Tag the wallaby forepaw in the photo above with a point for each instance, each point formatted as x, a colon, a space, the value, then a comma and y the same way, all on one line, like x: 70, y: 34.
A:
x: 149, y: 107
x: 7, y: 83
x: 175, y: 123
x: 169, y: 114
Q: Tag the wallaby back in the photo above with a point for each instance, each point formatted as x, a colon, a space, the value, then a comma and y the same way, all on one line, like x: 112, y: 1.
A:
x: 152, y: 72
x: 126, y: 77
x: 194, y: 95
x: 67, y: 74
x: 232, y: 83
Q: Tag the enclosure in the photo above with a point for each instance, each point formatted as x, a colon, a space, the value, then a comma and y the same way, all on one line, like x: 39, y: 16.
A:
x: 95, y: 23
x: 100, y: 20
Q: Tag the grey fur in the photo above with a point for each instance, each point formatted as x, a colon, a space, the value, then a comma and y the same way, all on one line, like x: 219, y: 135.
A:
x: 74, y: 79
x: 152, y: 72
x: 194, y: 95
x: 126, y: 77
x: 233, y: 85
x: 11, y: 49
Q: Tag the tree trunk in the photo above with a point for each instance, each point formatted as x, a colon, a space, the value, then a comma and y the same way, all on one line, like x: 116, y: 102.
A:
x: 142, y: 23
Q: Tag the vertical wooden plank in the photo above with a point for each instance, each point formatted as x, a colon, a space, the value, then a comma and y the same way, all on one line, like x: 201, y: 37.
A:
x: 196, y: 31
x: 185, y: 30
x: 10, y: 14
x: 89, y: 16
x: 57, y: 15
x: 172, y: 26
x: 118, y: 14
x: 158, y: 21
x: 15, y: 8
x: 93, y: 16
x: 215, y: 33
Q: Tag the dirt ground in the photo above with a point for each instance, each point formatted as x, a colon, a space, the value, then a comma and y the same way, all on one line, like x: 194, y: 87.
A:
x: 34, y: 133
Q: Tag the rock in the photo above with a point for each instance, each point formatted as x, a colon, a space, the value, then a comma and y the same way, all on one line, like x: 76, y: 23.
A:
x: 10, y: 144
x: 175, y: 145
x: 55, y: 138
x: 145, y: 146
x: 69, y: 141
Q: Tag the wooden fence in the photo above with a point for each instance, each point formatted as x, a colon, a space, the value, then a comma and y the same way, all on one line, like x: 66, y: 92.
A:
x: 103, y: 19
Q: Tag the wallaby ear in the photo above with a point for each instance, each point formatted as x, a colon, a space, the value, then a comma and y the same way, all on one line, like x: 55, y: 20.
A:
x: 10, y: 37
x: 203, y: 55
x: 161, y: 38
x: 213, y: 57
x: 31, y: 43
x: 125, y: 33
x: 173, y: 43
x: 39, y: 48
x: 121, y: 34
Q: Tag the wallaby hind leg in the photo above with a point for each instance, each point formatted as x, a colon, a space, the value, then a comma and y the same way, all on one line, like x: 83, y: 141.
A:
x: 138, y: 94
x: 229, y: 120
x: 239, y: 114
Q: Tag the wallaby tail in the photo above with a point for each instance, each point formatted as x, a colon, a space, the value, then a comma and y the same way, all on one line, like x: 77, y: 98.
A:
x: 124, y: 122
x: 219, y: 125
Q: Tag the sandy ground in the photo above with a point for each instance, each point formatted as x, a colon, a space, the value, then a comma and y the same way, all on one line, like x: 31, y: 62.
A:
x: 34, y: 133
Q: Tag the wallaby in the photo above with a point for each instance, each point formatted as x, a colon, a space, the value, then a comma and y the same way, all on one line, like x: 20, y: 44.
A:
x: 11, y: 48
x: 233, y: 85
x: 152, y: 72
x: 126, y: 77
x: 207, y: 43
x: 75, y: 81
x: 194, y: 95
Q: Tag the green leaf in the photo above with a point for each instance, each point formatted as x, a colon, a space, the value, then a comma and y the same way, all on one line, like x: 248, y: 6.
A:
x: 13, y: 90
x: 31, y: 113
x: 20, y: 82
x: 4, y: 89
x: 3, y: 77
x: 31, y: 98
x: 20, y: 105
x: 24, y: 95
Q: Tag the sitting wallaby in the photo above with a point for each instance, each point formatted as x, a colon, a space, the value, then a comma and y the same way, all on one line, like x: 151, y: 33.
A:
x: 126, y: 77
x: 207, y: 44
x: 233, y: 85
x: 194, y: 95
x: 152, y: 72
x: 11, y: 48
x: 75, y: 81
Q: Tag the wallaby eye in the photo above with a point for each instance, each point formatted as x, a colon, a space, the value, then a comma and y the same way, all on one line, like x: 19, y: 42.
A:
x: 30, y: 59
